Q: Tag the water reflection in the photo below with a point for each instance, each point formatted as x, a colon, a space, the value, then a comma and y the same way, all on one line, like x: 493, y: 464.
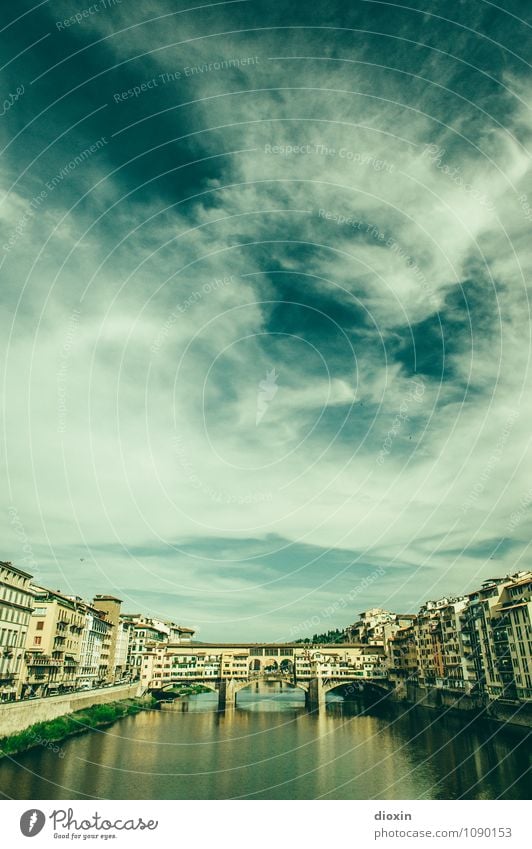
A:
x: 269, y: 746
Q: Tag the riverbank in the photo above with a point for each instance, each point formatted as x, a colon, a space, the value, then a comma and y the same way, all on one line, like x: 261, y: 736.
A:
x: 49, y: 734
x: 17, y: 716
x: 443, y: 700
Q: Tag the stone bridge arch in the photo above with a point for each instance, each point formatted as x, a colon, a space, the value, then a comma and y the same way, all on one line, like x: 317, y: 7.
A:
x: 315, y: 689
x: 361, y: 684
x: 268, y: 677
x: 209, y: 685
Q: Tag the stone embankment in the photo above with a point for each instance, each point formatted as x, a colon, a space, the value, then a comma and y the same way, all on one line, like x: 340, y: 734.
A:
x: 49, y: 732
x: 16, y: 716
x: 435, y: 698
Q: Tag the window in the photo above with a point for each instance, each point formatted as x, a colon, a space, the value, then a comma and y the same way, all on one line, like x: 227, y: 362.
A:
x: 39, y: 626
x: 37, y: 641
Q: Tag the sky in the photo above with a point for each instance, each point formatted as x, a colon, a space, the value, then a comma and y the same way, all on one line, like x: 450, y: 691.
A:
x: 264, y: 304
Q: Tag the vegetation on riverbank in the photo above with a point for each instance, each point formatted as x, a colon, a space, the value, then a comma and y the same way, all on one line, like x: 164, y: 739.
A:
x: 189, y: 690
x: 47, y: 734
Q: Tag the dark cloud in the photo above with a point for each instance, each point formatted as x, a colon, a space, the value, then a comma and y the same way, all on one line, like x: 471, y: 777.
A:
x: 267, y: 335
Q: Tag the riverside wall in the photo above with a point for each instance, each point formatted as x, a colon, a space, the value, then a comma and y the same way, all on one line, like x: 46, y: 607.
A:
x: 435, y: 698
x: 16, y: 716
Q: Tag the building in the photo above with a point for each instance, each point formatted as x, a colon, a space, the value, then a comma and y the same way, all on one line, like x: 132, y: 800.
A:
x: 479, y: 644
x: 53, y: 643
x: 478, y: 617
x: 402, y: 656
x: 512, y: 629
x: 497, y: 626
x: 147, y: 631
x: 457, y: 672
x: 16, y: 604
x: 369, y: 628
x: 428, y: 637
x: 93, y: 669
x: 164, y: 663
x: 443, y: 645
x: 179, y: 634
x: 144, y: 632
x: 123, y: 640
x: 109, y: 606
x: 376, y: 626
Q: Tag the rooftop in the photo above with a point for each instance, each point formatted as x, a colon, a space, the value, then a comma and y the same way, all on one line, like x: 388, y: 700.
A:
x: 6, y: 564
x: 107, y: 598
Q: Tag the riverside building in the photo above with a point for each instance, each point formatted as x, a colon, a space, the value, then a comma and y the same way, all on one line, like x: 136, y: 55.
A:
x: 109, y: 607
x: 162, y: 664
x: 147, y: 633
x: 402, y: 657
x: 498, y: 620
x: 512, y: 625
x: 96, y: 638
x: 53, y: 643
x: 16, y: 604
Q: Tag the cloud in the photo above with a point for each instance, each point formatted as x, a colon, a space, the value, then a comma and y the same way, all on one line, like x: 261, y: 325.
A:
x: 351, y: 212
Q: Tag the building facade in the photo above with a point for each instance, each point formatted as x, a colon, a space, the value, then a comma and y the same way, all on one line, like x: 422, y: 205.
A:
x: 376, y: 626
x: 122, y: 647
x: 143, y: 633
x: 402, y: 656
x: 53, y: 643
x: 512, y: 623
x: 146, y: 632
x: 93, y: 669
x: 164, y: 663
x: 16, y: 605
x: 109, y: 607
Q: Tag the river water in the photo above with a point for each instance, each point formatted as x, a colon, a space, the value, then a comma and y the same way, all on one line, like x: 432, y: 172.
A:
x: 270, y: 747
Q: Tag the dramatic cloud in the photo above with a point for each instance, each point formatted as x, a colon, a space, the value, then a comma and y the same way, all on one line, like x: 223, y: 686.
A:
x: 265, y: 306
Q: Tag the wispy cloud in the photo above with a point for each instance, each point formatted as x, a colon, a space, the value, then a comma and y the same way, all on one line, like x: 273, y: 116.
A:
x: 362, y: 196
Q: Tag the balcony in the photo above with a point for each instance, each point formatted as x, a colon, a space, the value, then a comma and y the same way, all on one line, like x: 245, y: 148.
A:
x: 41, y: 660
x: 7, y: 677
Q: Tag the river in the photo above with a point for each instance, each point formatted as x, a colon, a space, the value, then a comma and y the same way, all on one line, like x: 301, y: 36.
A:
x: 270, y: 747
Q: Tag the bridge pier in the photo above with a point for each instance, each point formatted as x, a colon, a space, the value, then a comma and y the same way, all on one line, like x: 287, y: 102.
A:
x: 315, y: 695
x: 226, y: 694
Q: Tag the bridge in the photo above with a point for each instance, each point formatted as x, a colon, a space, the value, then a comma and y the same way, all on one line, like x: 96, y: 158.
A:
x: 229, y: 668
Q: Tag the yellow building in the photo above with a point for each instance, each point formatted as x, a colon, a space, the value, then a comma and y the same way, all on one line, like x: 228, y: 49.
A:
x: 16, y: 604
x: 53, y: 643
x: 109, y: 606
x: 163, y: 663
